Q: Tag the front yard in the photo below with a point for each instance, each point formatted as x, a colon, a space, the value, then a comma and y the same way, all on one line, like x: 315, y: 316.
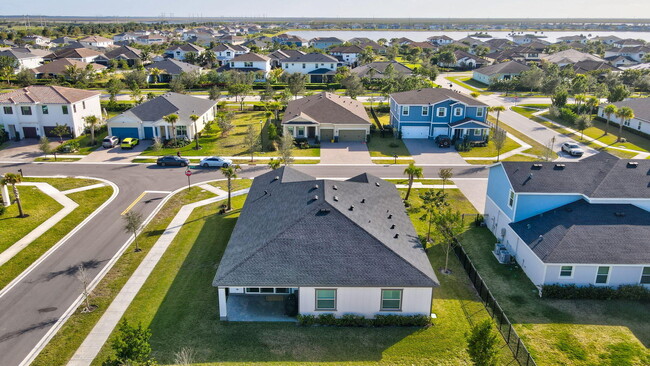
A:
x: 468, y: 83
x: 489, y: 150
x: 387, y: 146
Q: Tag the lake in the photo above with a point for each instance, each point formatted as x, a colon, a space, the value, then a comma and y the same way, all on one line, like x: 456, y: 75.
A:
x: 419, y: 36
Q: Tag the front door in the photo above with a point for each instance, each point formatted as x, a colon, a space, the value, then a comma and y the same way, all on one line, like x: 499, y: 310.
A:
x: 30, y: 132
x: 458, y: 133
x: 311, y: 132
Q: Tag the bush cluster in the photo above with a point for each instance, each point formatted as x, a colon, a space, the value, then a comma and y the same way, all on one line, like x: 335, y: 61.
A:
x: 354, y: 320
x: 568, y: 115
x: 591, y: 292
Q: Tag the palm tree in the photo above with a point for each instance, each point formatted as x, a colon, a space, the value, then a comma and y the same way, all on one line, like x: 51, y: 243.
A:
x: 592, y: 103
x: 609, y: 110
x: 498, y: 109
x: 579, y: 98
x: 412, y: 172
x: 624, y: 114
x: 195, y: 118
x: 172, y: 119
x: 154, y: 73
x: 92, y: 121
x: 13, y: 179
x: 445, y: 174
x: 230, y: 172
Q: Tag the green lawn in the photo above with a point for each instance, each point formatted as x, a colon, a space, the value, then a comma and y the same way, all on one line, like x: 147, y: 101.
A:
x: 562, y: 332
x: 489, y: 150
x: 236, y: 184
x: 468, y: 83
x: 63, y: 184
x: 180, y: 307
x: 387, y: 146
x: 527, y: 110
x: 59, y: 159
x: 423, y: 181
x: 85, y: 147
x: 88, y: 202
x: 38, y: 205
x: 536, y: 149
x: 213, y: 143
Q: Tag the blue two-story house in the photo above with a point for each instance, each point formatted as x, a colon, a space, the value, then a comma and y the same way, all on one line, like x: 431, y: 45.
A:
x: 582, y: 223
x: 428, y: 113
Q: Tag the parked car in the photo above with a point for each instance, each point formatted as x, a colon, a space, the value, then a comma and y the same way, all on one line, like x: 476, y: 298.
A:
x: 110, y: 141
x: 443, y: 141
x: 129, y: 143
x: 215, y: 161
x: 171, y: 160
x: 572, y: 149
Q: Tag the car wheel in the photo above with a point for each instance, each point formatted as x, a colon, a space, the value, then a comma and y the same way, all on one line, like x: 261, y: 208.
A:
x: 206, y: 165
x: 225, y: 165
x: 183, y: 164
x: 163, y: 164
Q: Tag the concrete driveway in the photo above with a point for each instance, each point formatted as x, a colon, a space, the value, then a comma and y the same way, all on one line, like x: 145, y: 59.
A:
x: 344, y: 153
x: 117, y: 154
x: 23, y: 150
x: 425, y: 151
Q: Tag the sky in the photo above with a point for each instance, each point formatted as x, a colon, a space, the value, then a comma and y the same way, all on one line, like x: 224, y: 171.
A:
x: 336, y: 8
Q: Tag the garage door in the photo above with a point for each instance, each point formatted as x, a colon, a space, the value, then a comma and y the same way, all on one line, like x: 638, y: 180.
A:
x: 327, y: 134
x: 124, y: 132
x: 29, y: 132
x: 415, y: 132
x: 352, y: 135
x: 437, y: 131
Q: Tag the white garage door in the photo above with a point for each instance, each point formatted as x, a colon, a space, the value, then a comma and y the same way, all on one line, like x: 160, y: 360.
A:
x: 437, y: 131
x: 415, y: 132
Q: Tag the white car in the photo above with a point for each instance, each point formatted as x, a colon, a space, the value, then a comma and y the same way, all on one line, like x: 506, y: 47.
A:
x: 215, y: 162
x: 572, y: 149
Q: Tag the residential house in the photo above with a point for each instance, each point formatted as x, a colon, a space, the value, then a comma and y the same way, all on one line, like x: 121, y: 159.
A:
x: 629, y: 43
x: 202, y: 35
x: 145, y: 121
x: 376, y: 70
x: 35, y: 110
x: 422, y: 45
x: 470, y: 42
x: 367, y: 42
x: 62, y: 41
x: 608, y: 40
x: 570, y: 57
x: 58, y: 67
x: 465, y: 60
x: 497, y: 72
x: 261, y: 43
x: 231, y: 39
x: 440, y: 40
x: 523, y: 39
x: 251, y: 62
x: 635, y: 54
x: 428, y: 113
x: 290, y: 40
x: 37, y: 40
x: 96, y: 41
x: 591, y: 66
x: 226, y: 52
x: 581, y: 222
x: 341, y: 247
x: 621, y: 61
x: 401, y: 41
x: 324, y: 43
x: 25, y: 58
x: 178, y: 52
x: 326, y: 117
x: 125, y: 37
x: 573, y: 39
x: 129, y: 54
x: 641, y: 108
x: 171, y: 68
x: 150, y: 39
x: 498, y: 44
x: 279, y: 55
x: 319, y: 67
x: 80, y: 54
x: 347, y: 55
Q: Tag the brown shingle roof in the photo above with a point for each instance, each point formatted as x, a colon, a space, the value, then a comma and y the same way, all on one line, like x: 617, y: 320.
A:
x: 250, y: 57
x: 59, y: 66
x: 327, y: 108
x: 46, y: 94
x: 74, y: 53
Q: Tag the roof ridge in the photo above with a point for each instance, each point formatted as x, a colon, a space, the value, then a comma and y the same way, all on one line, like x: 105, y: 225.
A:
x: 611, y: 168
x: 56, y: 89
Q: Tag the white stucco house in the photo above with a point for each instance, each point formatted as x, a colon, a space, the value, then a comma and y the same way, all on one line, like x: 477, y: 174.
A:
x: 340, y: 247
x: 641, y: 108
x: 347, y: 55
x: 34, y: 111
x: 146, y: 120
x: 226, y: 52
x: 178, y: 52
x: 25, y: 58
x: 319, y: 67
x: 502, y: 71
x: 96, y: 41
x: 251, y: 62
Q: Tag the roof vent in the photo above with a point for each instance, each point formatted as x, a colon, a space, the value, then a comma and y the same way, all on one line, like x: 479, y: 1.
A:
x: 390, y: 216
x: 541, y: 237
x: 560, y: 166
x: 632, y: 164
x: 537, y: 166
x: 324, y: 210
x: 363, y: 200
x: 377, y: 184
x: 315, y: 197
x: 334, y: 187
x: 396, y: 236
x: 315, y: 186
x: 276, y: 178
x: 336, y: 198
x: 528, y: 226
x: 619, y: 214
x: 392, y: 227
x: 351, y: 208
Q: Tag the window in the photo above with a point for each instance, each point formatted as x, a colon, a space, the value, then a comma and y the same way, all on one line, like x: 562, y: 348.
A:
x: 64, y: 109
x: 44, y: 109
x: 325, y: 299
x: 639, y: 126
x: 425, y: 111
x: 477, y: 132
x: 181, y: 130
x: 281, y: 290
x: 290, y: 130
x: 232, y: 64
x: 441, y: 112
x: 603, y: 275
x: 286, y: 66
x: 566, y: 271
x: 479, y: 112
x: 645, y: 276
x: 253, y: 290
x: 8, y: 110
x: 301, y: 131
x: 391, y: 299
x: 248, y: 64
x: 458, y: 111
x: 83, y: 104
x: 331, y: 66
x: 26, y: 111
x: 74, y: 108
x: 266, y: 290
x: 304, y: 66
x: 405, y: 110
x: 511, y: 198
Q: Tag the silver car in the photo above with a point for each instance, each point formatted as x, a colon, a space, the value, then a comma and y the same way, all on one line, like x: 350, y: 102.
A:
x: 572, y: 149
x: 215, y: 162
x: 110, y: 141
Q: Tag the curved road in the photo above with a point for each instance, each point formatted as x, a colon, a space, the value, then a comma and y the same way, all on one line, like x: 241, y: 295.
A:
x: 32, y: 306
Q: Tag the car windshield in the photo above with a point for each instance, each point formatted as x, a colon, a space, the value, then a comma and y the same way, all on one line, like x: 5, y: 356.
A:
x: 574, y: 146
x: 107, y: 140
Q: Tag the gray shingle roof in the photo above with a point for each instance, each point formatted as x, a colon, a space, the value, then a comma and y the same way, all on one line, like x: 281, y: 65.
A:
x: 641, y: 107
x: 173, y: 67
x: 510, y: 67
x: 433, y: 95
x: 300, y: 231
x: 182, y: 105
x: 379, y: 67
x: 312, y: 57
x: 586, y: 233
x: 327, y: 108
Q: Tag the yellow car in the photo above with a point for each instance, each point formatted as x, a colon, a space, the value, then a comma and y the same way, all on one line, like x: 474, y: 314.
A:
x: 129, y: 143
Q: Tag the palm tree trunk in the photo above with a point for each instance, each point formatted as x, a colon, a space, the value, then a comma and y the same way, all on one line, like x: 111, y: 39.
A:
x: 429, y: 229
x: 408, y: 192
x: 92, y: 135
x: 229, y: 190
x: 606, y: 125
x: 17, y: 197
x: 620, y: 130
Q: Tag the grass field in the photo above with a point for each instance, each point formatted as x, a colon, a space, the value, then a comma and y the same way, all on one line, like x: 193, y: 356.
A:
x: 468, y: 83
x: 536, y: 147
x: 562, y: 332
x: 387, y: 146
x: 527, y: 110
x: 489, y: 150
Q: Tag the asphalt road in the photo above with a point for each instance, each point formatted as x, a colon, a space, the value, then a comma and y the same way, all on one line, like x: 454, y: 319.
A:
x: 29, y: 309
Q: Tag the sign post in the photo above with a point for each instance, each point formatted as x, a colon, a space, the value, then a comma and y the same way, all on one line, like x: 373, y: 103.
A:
x: 188, y: 173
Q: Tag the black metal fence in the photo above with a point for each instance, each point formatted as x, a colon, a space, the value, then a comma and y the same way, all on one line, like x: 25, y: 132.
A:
x: 504, y: 326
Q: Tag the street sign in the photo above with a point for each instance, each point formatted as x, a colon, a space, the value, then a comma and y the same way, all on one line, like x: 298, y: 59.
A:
x: 188, y: 172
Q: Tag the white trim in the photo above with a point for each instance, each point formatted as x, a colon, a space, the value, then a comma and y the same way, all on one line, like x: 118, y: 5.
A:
x: 444, y: 109
x: 609, y: 273
x: 570, y: 277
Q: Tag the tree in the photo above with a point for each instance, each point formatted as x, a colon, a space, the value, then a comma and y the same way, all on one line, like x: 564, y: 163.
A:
x: 84, y: 278
x: 624, y: 114
x: 449, y: 224
x: 275, y: 163
x: 447, y: 58
x: 191, y: 57
x: 139, y: 77
x: 582, y: 123
x: 432, y: 201
x: 579, y: 99
x: 25, y: 77
x: 532, y: 78
x: 239, y: 91
x: 172, y: 119
x: 498, y: 109
x: 609, y: 110
x: 13, y: 179
x: 411, y: 172
x: 224, y: 121
x: 482, y: 345
x: 7, y: 67
x: 445, y: 174
x: 286, y: 149
x: 114, y: 86
x: 353, y: 86
x: 92, y: 122
x: 132, y: 222
x: 195, y: 118
x: 592, y: 103
x: 252, y: 141
x: 230, y: 173
x: 157, y: 145
x: 367, y: 55
x: 60, y: 131
x: 177, y: 86
x: 208, y: 58
x: 296, y: 83
x: 131, y: 346
x: 499, y: 139
x: 44, y: 146
x: 560, y: 97
x: 214, y: 93
x: 618, y: 93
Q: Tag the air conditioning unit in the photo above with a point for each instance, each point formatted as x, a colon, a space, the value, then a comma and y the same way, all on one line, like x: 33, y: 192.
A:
x: 504, y: 257
x: 503, y: 232
x: 501, y: 253
x: 498, y: 247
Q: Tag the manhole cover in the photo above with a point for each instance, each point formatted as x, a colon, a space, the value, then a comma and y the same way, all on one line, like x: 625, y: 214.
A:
x: 47, y: 310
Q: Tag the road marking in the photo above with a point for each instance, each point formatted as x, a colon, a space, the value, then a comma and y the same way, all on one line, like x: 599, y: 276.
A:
x: 133, y: 203
x: 161, y: 192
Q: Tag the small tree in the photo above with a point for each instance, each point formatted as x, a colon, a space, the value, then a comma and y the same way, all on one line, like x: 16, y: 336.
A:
x: 275, y: 163
x: 286, y: 149
x: 445, y: 174
x: 214, y: 93
x: 131, y: 346
x: 13, y: 179
x: 114, y: 86
x: 296, y: 83
x: 224, y: 121
x: 25, y: 77
x: 609, y: 110
x: 184, y: 357
x: 239, y: 91
x: 132, y: 222
x: 60, y: 131
x: 44, y: 146
x: 499, y: 139
x: 411, y: 172
x: 230, y: 173
x: 582, y: 123
x: 560, y: 97
x: 624, y: 114
x: 172, y: 119
x: 431, y: 202
x: 482, y: 345
x: 498, y: 109
x: 92, y: 122
x: 157, y: 145
x: 195, y: 118
x: 84, y: 278
x: 353, y: 86
x: 449, y: 225
x: 252, y: 141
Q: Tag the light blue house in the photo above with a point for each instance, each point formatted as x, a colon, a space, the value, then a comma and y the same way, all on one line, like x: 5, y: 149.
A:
x: 583, y: 223
x: 324, y: 43
x: 428, y: 113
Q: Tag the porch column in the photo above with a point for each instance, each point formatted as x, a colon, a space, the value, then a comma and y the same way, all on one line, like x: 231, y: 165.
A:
x: 223, y: 310
x: 167, y: 132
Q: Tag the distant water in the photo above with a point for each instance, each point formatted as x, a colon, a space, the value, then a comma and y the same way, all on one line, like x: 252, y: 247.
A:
x: 419, y: 36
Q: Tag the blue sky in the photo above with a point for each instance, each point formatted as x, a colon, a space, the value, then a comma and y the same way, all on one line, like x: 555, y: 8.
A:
x: 336, y: 8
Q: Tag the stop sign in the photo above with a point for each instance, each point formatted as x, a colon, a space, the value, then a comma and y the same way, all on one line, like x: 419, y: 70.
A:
x: 188, y: 172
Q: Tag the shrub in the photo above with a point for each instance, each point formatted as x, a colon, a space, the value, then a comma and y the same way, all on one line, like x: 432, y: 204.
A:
x: 68, y: 147
x: 326, y: 319
x: 3, y: 209
x: 352, y: 320
x: 393, y: 145
x: 391, y: 320
x: 568, y: 115
x: 591, y: 292
x: 355, y: 320
x: 306, y: 320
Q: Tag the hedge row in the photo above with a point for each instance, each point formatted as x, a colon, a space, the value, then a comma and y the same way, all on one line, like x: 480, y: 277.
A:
x: 591, y: 292
x: 353, y: 320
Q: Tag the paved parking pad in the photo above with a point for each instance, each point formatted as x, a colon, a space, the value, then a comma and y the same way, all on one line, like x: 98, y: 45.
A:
x: 344, y: 153
x: 425, y: 151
